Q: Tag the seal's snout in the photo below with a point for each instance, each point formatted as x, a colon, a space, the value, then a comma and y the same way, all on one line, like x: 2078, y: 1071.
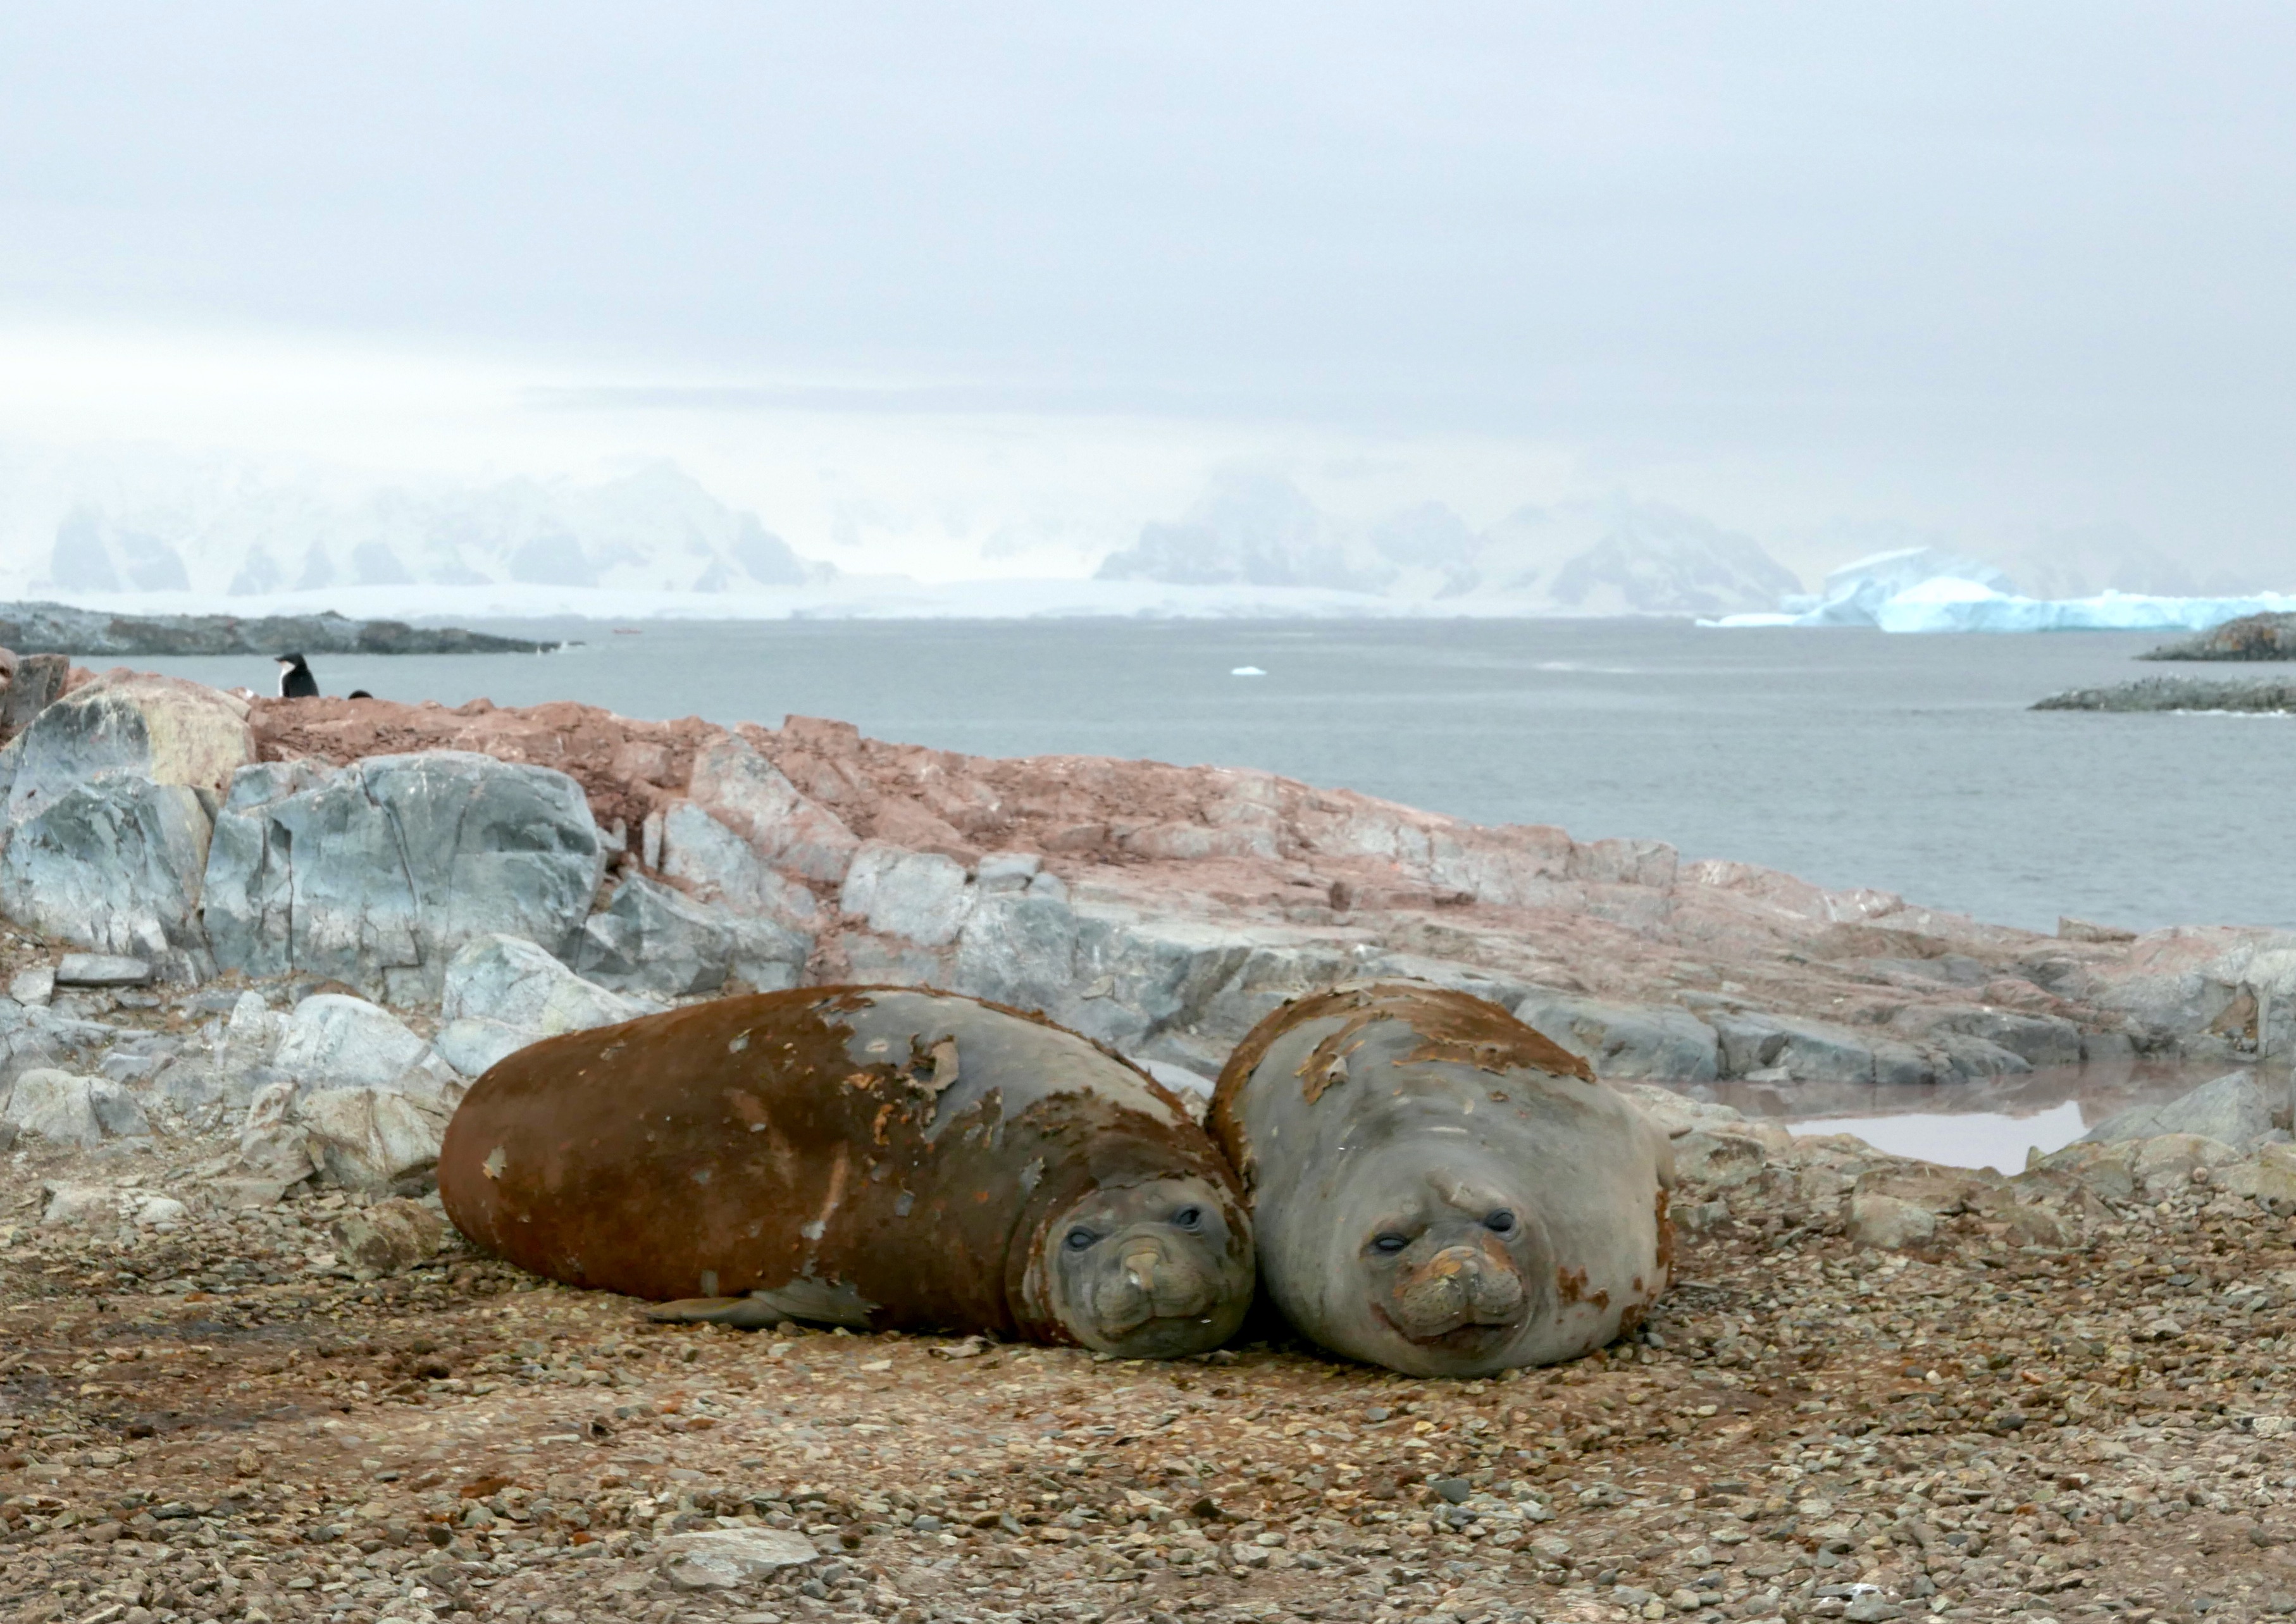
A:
x: 1458, y: 1286
x: 1151, y: 1281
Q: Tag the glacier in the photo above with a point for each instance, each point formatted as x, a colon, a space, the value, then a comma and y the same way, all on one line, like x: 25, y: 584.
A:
x: 1917, y: 590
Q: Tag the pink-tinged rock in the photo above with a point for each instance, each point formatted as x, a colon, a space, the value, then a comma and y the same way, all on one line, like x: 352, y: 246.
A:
x: 1195, y: 842
x: 748, y: 794
x: 717, y: 865
x: 1623, y: 862
x: 1515, y: 865
x: 904, y: 823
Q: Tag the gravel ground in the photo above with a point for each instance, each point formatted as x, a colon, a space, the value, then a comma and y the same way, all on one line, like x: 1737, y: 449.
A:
x: 216, y: 1420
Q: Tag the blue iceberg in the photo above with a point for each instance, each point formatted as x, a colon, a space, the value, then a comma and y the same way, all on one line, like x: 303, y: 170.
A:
x: 1919, y: 590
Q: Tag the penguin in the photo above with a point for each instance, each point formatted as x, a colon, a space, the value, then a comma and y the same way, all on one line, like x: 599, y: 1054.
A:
x: 358, y: 693
x: 295, y: 678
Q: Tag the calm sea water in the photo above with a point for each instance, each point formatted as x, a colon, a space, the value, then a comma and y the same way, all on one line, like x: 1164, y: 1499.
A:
x: 1851, y: 757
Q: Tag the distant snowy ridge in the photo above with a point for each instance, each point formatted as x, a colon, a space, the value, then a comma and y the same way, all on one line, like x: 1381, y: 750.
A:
x: 1616, y: 557
x: 848, y: 597
x: 654, y: 530
x: 1920, y: 590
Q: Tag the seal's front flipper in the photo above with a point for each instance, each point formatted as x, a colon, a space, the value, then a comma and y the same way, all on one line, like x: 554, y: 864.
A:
x: 821, y: 1301
x: 742, y: 1313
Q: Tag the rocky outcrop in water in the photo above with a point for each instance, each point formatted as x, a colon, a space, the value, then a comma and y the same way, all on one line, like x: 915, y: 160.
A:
x: 2270, y: 636
x: 58, y: 628
x: 2275, y: 694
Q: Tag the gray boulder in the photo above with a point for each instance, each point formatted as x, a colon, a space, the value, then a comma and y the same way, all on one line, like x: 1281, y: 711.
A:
x: 63, y: 1108
x: 76, y: 1206
x: 372, y: 1138
x: 654, y: 939
x: 1974, y: 1039
x: 1788, y: 1048
x: 115, y: 865
x: 1007, y: 871
x: 1019, y: 949
x: 33, y: 1038
x: 1002, y: 872
x: 1626, y: 1041
x: 473, y: 1046
x: 235, y: 1062
x: 389, y: 1237
x: 769, y: 956
x: 1170, y: 989
x: 920, y: 896
x: 335, y: 1041
x: 508, y: 978
x: 2233, y: 1110
x: 161, y: 729
x: 274, y: 1149
x: 503, y: 993
x: 109, y: 970
x: 376, y: 873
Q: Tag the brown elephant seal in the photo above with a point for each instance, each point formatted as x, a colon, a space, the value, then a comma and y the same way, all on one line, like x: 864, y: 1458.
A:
x: 1438, y: 1188
x: 882, y: 1157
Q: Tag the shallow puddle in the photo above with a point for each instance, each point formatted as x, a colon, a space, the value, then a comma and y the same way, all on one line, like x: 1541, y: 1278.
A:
x: 1993, y: 1122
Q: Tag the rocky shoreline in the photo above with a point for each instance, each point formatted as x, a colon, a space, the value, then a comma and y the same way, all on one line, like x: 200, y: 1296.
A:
x: 58, y: 628
x: 2271, y: 696
x: 2268, y: 636
x: 259, y: 947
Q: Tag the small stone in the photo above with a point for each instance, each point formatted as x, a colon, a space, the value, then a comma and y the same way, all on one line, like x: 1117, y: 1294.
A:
x: 35, y: 985
x: 1889, y: 1223
x: 389, y: 1237
x: 160, y: 1212
x: 1454, y: 1490
x: 727, y: 1559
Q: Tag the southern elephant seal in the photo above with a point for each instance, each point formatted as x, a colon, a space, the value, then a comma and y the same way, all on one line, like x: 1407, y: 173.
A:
x: 1438, y: 1188
x: 882, y: 1157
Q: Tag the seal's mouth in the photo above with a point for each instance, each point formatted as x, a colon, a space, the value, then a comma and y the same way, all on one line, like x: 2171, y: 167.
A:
x: 1460, y: 1294
x: 1470, y: 1335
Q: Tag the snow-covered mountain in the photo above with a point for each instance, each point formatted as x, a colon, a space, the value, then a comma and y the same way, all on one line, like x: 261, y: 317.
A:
x: 1593, y: 558
x: 656, y: 529
x: 1252, y: 530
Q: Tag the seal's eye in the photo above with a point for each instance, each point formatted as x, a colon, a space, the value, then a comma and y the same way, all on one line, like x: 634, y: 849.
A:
x: 1189, y: 1218
x: 1390, y: 1243
x: 1081, y: 1240
x: 1499, y: 1222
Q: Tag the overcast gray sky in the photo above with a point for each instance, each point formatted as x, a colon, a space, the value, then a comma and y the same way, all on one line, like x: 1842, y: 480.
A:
x: 1995, y: 266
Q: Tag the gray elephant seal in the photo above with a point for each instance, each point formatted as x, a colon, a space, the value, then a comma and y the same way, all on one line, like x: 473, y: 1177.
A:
x: 876, y: 1157
x: 1438, y: 1188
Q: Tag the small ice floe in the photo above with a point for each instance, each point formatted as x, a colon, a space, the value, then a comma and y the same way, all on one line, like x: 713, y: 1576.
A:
x: 1247, y: 671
